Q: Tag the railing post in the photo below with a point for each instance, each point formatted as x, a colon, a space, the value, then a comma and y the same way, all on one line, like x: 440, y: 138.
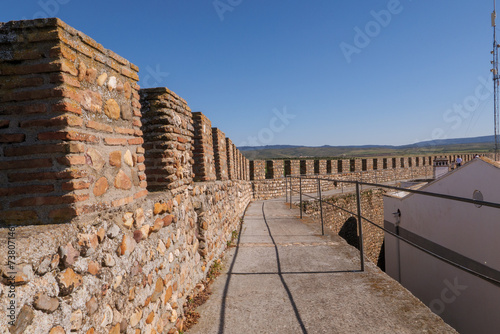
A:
x: 360, y: 227
x: 300, y: 192
x: 321, y: 207
x: 286, y: 189
x: 291, y: 191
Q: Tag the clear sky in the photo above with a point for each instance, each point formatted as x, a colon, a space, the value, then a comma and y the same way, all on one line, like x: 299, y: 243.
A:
x: 321, y: 72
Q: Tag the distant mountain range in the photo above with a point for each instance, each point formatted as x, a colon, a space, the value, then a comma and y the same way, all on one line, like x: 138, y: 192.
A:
x: 473, y: 145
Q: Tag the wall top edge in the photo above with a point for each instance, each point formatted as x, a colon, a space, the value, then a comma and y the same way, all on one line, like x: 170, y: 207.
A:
x: 55, y: 22
x: 154, y: 92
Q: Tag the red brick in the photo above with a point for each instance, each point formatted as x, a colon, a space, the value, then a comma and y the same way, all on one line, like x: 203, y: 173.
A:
x: 18, y: 82
x: 31, y: 189
x: 137, y: 122
x: 60, y: 78
x: 128, y: 73
x: 68, y: 67
x: 39, y: 149
x: 116, y: 141
x: 8, y: 69
x: 23, y: 110
x: 39, y: 94
x: 137, y: 112
x: 124, y: 131
x: 53, y: 122
x: 68, y: 135
x: 73, y: 94
x: 135, y: 68
x: 12, y: 137
x: 75, y: 185
x: 138, y: 133
x: 99, y: 126
x: 140, y: 158
x: 26, y: 164
x: 135, y: 141
x: 72, y: 160
x: 4, y: 123
x: 141, y: 167
x: 118, y: 58
x: 63, y: 51
x: 68, y: 107
x: 48, y: 200
x: 143, y: 184
x: 36, y: 35
x: 122, y: 201
x: 19, y: 217
x: 91, y: 42
x: 136, y: 104
x: 63, y: 215
x: 140, y: 194
x: 64, y: 175
x: 28, y: 54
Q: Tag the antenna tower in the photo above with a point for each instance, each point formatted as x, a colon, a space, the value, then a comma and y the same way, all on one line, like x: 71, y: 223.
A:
x: 496, y: 79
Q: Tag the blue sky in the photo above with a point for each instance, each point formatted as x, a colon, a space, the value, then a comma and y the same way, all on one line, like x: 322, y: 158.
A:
x: 322, y: 72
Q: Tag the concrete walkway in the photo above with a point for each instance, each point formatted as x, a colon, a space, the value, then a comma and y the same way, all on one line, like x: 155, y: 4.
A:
x: 284, y: 277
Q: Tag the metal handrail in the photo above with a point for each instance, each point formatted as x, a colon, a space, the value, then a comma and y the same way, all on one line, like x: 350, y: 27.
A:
x: 360, y: 217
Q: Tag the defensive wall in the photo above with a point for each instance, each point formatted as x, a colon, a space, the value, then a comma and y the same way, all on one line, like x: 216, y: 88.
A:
x: 115, y: 200
x: 268, y: 177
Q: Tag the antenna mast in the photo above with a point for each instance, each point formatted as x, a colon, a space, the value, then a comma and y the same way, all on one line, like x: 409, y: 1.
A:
x: 496, y: 78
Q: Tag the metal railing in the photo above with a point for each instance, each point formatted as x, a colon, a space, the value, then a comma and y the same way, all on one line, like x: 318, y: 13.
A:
x: 289, y: 191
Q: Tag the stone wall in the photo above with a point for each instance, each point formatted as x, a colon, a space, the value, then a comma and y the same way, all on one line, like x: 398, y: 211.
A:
x: 168, y: 133
x: 344, y: 223
x: 372, y: 170
x: 257, y: 170
x: 231, y: 167
x: 220, y: 154
x: 70, y: 137
x: 73, y: 152
x: 132, y: 268
x: 204, y: 167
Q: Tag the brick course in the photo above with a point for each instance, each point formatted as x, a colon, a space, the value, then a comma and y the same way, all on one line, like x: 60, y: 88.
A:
x: 54, y: 109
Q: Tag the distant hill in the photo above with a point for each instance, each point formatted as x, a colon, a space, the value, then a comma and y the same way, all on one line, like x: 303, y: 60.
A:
x: 435, y: 147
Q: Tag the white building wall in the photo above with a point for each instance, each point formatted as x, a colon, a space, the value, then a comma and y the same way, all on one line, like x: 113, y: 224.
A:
x: 470, y: 304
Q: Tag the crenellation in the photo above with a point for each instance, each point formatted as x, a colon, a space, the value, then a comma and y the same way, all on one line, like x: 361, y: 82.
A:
x: 168, y: 134
x: 58, y: 112
x: 220, y: 154
x: 204, y: 166
x: 231, y: 168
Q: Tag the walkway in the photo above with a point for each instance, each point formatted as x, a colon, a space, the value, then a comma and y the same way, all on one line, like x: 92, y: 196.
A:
x: 284, y: 277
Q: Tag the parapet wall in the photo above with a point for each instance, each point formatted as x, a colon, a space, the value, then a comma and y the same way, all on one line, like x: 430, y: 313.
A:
x: 168, y: 135
x: 70, y: 135
x: 135, y: 235
x: 268, y: 176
